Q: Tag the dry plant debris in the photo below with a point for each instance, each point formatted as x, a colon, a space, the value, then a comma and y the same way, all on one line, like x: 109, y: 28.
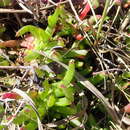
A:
x: 65, y: 64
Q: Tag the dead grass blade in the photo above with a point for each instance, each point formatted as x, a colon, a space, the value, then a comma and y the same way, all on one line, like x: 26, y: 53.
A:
x: 98, y: 94
x: 126, y: 120
x: 31, y: 103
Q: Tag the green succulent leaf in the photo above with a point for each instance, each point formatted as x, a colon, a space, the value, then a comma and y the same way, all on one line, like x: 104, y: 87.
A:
x: 69, y: 74
x: 64, y: 84
x: 58, y: 92
x: 52, y: 21
x: 63, y: 102
x: 98, y: 78
x: 4, y: 3
x: 32, y: 125
x: 65, y: 110
x: 76, y: 53
x: 4, y: 63
x: 37, y: 32
x: 126, y: 75
x: 51, y: 101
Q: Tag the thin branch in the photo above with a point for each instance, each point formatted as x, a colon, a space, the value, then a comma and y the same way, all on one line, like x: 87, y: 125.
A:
x: 93, y: 12
x: 73, y: 9
x: 15, y: 67
x: 14, y: 115
x: 2, y: 10
x: 106, y: 71
x: 126, y: 21
x: 103, y: 18
x: 51, y: 6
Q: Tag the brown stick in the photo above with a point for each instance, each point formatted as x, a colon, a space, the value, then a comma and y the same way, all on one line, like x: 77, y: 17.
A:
x: 2, y: 10
x: 15, y: 67
x: 10, y: 43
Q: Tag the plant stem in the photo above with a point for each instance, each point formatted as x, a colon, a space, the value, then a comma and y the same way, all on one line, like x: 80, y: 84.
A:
x: 103, y: 18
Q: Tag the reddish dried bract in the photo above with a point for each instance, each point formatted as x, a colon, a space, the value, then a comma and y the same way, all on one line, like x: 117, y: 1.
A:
x: 127, y: 5
x: 27, y: 110
x: 10, y: 117
x: 98, y: 16
x: 10, y: 95
x: 22, y: 128
x: 127, y: 108
x: 117, y: 2
x: 10, y: 43
x: 79, y: 37
x: 85, y: 11
x: 81, y: 57
x: 28, y: 42
x: 63, y: 86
